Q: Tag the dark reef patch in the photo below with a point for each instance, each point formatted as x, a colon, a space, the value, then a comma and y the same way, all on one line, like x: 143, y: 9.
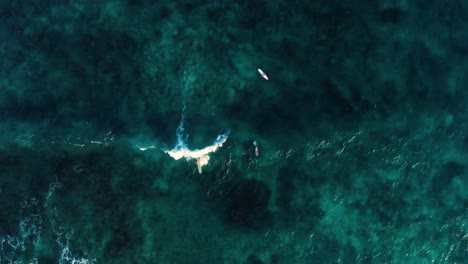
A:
x: 391, y: 15
x: 247, y: 204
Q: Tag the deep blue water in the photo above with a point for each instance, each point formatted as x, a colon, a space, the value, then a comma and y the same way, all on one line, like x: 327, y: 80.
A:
x: 361, y: 131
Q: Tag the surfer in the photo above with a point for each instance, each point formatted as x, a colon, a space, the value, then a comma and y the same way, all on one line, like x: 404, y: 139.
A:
x: 256, y: 148
x: 263, y: 74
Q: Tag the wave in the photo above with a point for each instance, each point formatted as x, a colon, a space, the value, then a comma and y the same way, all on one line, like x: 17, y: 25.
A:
x: 201, y: 156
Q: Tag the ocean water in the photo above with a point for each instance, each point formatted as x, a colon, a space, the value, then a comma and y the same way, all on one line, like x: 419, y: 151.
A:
x: 127, y: 131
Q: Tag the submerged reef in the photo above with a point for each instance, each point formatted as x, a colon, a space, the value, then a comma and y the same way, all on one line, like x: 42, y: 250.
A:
x: 361, y: 131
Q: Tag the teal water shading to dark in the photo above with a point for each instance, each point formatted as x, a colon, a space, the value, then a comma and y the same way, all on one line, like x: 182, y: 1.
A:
x: 361, y: 131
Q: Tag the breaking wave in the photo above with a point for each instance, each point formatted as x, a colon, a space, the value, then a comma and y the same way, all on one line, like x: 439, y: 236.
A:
x: 201, y: 156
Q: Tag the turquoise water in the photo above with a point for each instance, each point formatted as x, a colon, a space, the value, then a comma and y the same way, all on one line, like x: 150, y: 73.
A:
x: 361, y: 132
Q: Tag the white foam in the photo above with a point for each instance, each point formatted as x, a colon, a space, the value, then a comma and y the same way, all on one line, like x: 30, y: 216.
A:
x: 22, y: 246
x: 202, y: 157
x: 66, y: 255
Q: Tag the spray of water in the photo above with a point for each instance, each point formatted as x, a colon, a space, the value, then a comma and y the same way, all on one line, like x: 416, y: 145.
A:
x: 201, y: 156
